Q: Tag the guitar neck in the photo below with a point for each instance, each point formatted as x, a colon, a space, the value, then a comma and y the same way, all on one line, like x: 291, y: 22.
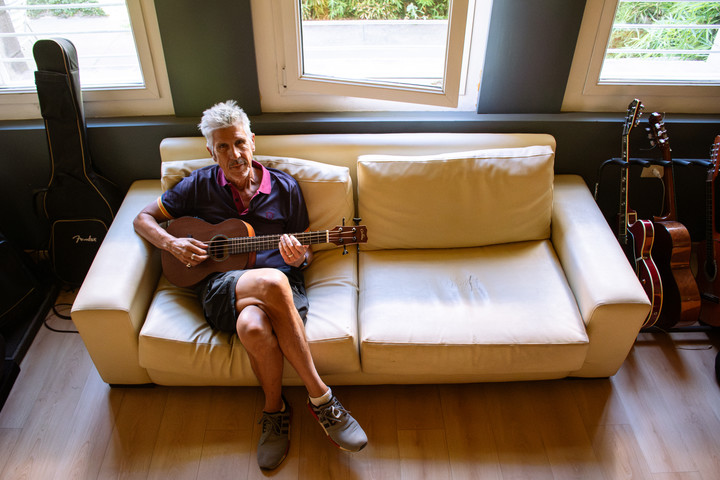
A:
x: 270, y: 242
x: 623, y: 213
x: 709, y: 218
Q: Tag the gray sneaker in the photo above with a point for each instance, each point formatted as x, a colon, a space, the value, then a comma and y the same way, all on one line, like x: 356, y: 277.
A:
x: 342, y: 429
x: 275, y: 439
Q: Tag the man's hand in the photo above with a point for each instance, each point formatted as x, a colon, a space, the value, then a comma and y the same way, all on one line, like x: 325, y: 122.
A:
x: 293, y: 253
x: 189, y: 251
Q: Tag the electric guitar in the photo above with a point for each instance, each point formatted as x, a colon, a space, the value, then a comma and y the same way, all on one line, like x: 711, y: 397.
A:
x: 672, y: 247
x: 232, y: 245
x: 636, y: 236
x: 707, y: 276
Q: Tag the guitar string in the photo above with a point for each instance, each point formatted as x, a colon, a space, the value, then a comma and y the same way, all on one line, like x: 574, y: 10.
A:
x: 269, y: 242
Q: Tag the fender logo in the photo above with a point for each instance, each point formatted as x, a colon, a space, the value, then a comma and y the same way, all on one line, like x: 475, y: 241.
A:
x: 89, y: 238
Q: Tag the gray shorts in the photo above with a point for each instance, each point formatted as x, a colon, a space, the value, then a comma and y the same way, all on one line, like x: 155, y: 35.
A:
x: 217, y: 294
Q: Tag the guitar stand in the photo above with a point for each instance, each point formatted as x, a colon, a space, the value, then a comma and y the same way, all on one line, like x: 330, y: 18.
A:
x: 646, y: 162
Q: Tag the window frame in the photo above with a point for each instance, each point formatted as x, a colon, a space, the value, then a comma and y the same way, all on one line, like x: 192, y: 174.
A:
x: 584, y: 92
x: 153, y: 98
x: 283, y: 88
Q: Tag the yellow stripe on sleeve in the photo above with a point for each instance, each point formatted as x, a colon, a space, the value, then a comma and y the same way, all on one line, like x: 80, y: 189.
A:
x: 162, y: 209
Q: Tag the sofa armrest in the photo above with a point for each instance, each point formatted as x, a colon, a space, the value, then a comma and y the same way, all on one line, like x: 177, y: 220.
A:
x: 611, y: 300
x: 112, y: 303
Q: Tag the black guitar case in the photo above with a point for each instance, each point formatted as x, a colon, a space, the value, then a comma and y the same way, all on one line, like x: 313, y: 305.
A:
x: 79, y: 203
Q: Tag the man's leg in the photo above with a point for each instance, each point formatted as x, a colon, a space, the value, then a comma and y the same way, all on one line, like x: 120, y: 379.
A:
x: 282, y: 330
x: 273, y: 329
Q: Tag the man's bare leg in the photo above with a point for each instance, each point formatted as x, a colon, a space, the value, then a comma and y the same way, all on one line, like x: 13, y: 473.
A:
x: 268, y: 290
x: 266, y: 358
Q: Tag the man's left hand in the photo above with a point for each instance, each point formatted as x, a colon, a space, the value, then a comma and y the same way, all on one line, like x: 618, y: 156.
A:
x: 292, y: 251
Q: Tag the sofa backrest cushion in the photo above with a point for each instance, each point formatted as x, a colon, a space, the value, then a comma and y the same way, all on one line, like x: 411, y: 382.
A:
x: 327, y: 189
x: 455, y: 200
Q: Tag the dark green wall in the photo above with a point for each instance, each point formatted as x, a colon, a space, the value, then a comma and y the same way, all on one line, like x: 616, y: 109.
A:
x: 210, y: 58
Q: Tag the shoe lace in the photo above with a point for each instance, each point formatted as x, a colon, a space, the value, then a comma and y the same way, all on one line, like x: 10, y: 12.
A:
x: 332, y: 413
x: 271, y: 422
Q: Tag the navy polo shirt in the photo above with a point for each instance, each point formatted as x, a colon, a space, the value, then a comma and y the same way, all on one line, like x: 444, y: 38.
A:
x: 277, y: 207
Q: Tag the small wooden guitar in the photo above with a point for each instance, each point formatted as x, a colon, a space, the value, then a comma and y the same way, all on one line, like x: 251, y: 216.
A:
x: 672, y: 248
x: 708, y: 251
x: 636, y: 236
x: 232, y: 245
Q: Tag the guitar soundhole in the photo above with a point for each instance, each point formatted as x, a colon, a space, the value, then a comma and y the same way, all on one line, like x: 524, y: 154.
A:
x: 711, y: 270
x: 219, y: 248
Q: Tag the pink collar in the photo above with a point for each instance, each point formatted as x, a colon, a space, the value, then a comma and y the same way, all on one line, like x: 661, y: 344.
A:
x: 265, y: 186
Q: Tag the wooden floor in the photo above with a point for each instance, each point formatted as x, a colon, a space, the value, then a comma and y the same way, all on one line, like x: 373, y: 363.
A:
x: 658, y: 418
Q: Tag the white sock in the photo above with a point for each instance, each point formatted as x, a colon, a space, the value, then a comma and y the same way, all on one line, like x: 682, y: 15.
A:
x: 317, y: 401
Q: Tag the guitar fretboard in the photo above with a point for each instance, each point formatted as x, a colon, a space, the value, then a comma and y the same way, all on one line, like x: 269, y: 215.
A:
x: 266, y: 242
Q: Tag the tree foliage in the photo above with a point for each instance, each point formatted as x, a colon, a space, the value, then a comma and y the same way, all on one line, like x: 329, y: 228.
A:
x: 665, y: 13
x: 374, y: 9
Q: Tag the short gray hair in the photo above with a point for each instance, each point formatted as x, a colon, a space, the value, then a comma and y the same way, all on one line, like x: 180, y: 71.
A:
x: 223, y: 115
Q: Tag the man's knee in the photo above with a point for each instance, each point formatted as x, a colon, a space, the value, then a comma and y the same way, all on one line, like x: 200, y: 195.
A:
x: 253, y: 327
x: 271, y: 283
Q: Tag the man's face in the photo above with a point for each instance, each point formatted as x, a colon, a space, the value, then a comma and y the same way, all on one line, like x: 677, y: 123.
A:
x: 233, y: 150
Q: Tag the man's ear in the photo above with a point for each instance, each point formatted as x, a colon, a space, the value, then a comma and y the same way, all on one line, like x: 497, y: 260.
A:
x: 252, y: 139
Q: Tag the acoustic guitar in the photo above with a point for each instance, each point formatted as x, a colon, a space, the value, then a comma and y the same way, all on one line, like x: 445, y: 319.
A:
x: 672, y: 246
x: 232, y: 245
x: 636, y: 236
x: 707, y: 252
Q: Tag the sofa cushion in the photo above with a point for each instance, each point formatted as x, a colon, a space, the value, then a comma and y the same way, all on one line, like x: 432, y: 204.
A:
x: 495, y: 309
x: 176, y: 341
x: 467, y: 199
x: 327, y: 189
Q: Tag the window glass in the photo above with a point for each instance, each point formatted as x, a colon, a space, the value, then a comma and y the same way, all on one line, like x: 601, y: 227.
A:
x: 665, y: 53
x: 100, y: 31
x: 391, y: 41
x: 664, y: 42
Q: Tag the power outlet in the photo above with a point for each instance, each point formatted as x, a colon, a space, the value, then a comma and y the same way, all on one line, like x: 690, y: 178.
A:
x: 653, y: 171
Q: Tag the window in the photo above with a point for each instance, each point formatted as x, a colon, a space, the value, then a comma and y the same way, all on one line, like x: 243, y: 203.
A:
x: 665, y: 52
x: 315, y: 55
x: 120, y: 60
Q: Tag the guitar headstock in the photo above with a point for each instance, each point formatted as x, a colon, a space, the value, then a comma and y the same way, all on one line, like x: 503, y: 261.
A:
x: 658, y: 132
x: 632, y: 118
x: 713, y: 170
x: 347, y: 235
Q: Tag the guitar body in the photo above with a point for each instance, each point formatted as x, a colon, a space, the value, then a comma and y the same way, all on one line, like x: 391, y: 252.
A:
x: 708, y: 281
x: 643, y: 237
x: 671, y: 253
x: 708, y: 251
x: 672, y: 247
x: 183, y: 276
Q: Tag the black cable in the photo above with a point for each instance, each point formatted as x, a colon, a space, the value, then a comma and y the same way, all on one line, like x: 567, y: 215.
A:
x: 61, y: 316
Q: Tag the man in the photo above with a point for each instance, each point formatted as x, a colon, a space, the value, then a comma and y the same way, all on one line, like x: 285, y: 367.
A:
x: 266, y: 305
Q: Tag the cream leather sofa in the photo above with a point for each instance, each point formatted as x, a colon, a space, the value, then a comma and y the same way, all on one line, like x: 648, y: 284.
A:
x: 480, y: 266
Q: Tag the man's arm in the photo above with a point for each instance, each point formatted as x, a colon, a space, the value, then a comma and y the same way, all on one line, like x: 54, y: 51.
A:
x: 147, y: 224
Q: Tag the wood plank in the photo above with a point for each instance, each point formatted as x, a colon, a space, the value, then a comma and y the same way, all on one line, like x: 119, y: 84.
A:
x: 374, y: 408
x: 561, y: 426
x: 130, y: 449
x: 618, y: 452
x: 471, y: 444
x: 519, y: 443
x: 423, y: 454
x: 48, y: 425
x: 651, y: 414
x: 178, y: 448
x: 92, y: 425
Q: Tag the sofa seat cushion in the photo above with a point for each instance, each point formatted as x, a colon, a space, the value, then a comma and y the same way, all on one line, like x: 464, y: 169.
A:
x: 449, y: 200
x: 177, y: 341
x: 496, y: 309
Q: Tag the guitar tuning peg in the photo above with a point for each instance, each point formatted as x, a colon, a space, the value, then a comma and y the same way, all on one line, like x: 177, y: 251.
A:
x: 345, y: 252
